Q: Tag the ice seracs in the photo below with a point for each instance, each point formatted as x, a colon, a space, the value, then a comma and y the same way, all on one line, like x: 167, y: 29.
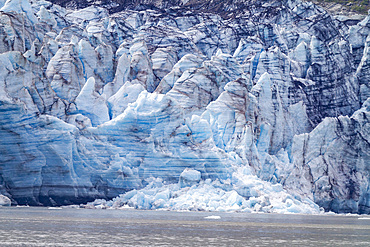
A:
x: 127, y: 94
x: 89, y: 97
x: 186, y: 62
x: 334, y: 158
x: 65, y: 71
x: 21, y: 7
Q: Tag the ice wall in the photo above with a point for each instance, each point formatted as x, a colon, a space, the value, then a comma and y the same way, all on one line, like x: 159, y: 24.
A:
x: 94, y: 105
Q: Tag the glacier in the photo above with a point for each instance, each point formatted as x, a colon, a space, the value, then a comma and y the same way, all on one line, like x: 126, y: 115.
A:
x: 244, y: 105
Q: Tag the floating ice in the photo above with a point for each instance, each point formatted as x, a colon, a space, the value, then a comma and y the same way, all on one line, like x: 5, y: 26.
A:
x: 55, y: 208
x: 213, y: 217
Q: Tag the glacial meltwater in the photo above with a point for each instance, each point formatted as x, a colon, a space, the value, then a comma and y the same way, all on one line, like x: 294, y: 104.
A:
x: 28, y: 226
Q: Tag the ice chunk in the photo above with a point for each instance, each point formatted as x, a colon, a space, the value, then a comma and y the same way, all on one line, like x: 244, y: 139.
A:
x: 213, y: 217
x: 4, y: 201
x: 189, y: 177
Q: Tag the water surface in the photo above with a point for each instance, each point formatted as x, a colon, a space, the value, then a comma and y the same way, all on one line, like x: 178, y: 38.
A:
x: 86, y: 227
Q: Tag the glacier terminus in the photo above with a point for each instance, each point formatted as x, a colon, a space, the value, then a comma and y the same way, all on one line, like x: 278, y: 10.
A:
x: 238, y: 105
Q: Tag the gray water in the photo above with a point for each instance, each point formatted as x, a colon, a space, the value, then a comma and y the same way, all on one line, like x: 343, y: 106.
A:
x: 86, y: 227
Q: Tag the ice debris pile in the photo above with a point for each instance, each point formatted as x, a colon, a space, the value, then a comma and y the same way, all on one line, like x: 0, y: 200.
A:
x: 97, y: 104
x: 244, y: 192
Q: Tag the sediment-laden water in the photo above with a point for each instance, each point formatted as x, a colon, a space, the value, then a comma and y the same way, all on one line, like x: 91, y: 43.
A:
x: 83, y: 227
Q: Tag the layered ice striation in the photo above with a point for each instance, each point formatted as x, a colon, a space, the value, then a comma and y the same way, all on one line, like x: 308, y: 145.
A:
x: 238, y: 105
